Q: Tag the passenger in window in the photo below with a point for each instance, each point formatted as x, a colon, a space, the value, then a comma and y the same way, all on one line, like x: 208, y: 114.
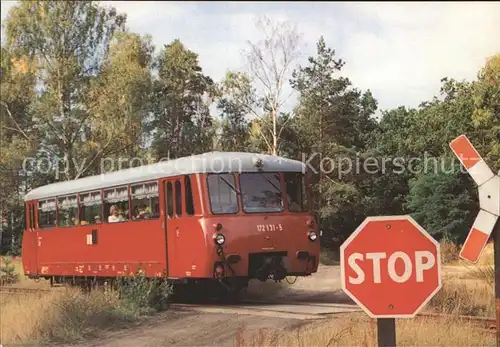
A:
x: 140, y: 212
x: 97, y: 220
x: 135, y: 213
x: 114, y: 215
x: 147, y: 211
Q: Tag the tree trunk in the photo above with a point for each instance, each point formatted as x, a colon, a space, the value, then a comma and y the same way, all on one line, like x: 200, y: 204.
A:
x: 1, y: 227
x: 275, y: 139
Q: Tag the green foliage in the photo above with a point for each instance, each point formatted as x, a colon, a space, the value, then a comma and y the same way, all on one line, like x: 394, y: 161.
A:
x: 144, y: 295
x: 486, y: 115
x: 443, y: 203
x: 237, y: 100
x: 181, y: 94
x: 329, y: 257
x: 8, y: 274
x: 332, y: 126
x: 68, y: 43
x: 121, y: 100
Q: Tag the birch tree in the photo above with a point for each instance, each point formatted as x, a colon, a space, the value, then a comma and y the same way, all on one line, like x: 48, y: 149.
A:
x: 270, y: 63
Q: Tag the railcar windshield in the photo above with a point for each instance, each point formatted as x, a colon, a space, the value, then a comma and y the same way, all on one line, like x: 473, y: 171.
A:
x: 222, y: 191
x: 261, y: 192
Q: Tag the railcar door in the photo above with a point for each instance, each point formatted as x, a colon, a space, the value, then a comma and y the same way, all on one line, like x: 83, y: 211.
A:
x: 171, y: 225
x: 30, y: 242
x: 183, y: 242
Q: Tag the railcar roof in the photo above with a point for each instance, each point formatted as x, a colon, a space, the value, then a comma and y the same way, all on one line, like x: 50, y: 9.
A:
x: 211, y: 162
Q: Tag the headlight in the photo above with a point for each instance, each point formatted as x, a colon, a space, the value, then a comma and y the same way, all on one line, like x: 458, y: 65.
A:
x: 219, y: 239
x: 312, y: 235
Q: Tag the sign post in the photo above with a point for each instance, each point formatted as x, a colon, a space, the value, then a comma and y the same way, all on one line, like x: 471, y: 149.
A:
x: 487, y: 219
x: 391, y: 267
x: 496, y: 250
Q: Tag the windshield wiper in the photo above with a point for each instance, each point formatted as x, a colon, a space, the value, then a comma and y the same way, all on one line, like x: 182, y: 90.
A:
x: 230, y: 185
x: 271, y: 183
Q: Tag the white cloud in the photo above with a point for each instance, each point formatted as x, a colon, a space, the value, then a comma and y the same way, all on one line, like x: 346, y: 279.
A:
x: 398, y: 50
x: 420, y: 43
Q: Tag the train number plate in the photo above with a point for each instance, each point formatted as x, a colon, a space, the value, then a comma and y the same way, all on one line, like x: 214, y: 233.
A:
x: 269, y: 227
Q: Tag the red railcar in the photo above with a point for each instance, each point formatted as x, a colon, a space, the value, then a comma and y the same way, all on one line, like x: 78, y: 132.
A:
x: 220, y: 217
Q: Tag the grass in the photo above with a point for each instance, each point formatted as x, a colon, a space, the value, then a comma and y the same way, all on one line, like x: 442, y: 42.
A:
x: 470, y: 290
x: 462, y: 297
x: 484, y: 273
x: 59, y: 316
x: 68, y: 315
x: 449, y: 253
x: 359, y: 330
x: 487, y: 257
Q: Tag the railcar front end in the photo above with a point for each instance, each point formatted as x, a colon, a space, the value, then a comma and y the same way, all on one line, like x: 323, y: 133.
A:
x: 260, y: 227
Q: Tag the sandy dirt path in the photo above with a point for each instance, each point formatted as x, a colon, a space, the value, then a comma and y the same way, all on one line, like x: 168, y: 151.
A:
x: 265, y: 306
x: 307, y: 300
x: 191, y: 329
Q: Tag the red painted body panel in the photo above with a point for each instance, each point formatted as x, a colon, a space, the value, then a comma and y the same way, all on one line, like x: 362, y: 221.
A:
x: 29, y: 252
x: 120, y: 249
x: 247, y: 234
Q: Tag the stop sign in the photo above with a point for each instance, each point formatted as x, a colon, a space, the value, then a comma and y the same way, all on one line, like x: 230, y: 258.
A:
x: 390, y: 266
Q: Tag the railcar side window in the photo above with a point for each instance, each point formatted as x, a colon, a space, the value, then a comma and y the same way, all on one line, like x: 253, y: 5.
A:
x: 30, y: 221
x: 145, y: 201
x: 90, y: 208
x: 296, y: 192
x: 116, y: 204
x: 32, y: 216
x: 47, y: 213
x: 222, y: 192
x: 178, y: 198
x: 68, y: 211
x: 189, y: 196
x: 261, y: 192
x: 170, y: 199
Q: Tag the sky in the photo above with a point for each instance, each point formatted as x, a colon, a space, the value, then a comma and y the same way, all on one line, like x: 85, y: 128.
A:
x: 400, y: 51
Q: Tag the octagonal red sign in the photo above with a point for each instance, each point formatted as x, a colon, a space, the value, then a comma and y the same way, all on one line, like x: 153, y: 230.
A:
x: 390, y: 266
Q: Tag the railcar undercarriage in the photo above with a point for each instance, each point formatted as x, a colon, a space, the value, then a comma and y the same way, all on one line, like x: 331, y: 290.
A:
x: 269, y: 265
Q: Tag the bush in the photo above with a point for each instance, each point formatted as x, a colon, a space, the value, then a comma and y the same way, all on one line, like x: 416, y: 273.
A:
x: 8, y: 273
x: 329, y: 257
x: 143, y: 295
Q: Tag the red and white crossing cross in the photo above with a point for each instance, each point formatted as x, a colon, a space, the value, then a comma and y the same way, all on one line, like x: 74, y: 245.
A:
x: 471, y: 160
x: 489, y: 197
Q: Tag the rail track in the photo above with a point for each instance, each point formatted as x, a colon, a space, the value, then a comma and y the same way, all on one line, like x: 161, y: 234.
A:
x: 23, y: 291
x: 292, y: 308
